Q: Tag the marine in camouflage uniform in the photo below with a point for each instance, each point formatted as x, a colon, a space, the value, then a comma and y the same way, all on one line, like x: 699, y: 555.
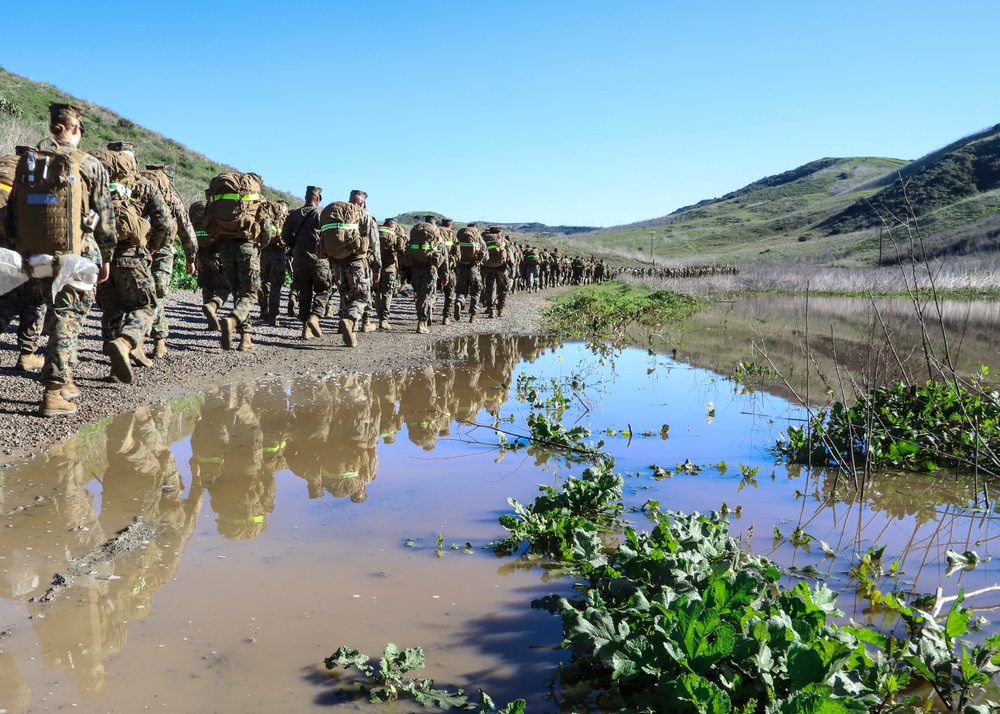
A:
x: 354, y: 276
x: 273, y: 265
x: 446, y: 271
x: 70, y: 306
x: 424, y: 275
x: 391, y: 242
x: 24, y: 303
x: 128, y: 298
x: 211, y: 277
x: 530, y: 265
x: 311, y: 277
x: 495, y: 280
x: 163, y: 256
x: 468, y: 274
x: 241, y: 262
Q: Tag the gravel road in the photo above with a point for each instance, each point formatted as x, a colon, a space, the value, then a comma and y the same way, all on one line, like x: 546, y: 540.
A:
x: 196, y: 362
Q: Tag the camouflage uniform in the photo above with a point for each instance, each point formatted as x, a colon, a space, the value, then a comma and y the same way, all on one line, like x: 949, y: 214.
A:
x: 241, y: 263
x: 391, y: 241
x: 446, y: 272
x: 468, y: 278
x: 163, y: 255
x: 211, y: 277
x: 354, y: 275
x: 495, y: 282
x: 273, y: 265
x: 70, y: 306
x: 128, y: 297
x: 424, y: 275
x: 530, y: 266
x: 311, y: 276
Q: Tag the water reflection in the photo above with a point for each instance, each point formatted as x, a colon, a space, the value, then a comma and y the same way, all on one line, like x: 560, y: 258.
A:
x: 840, y: 344
x: 386, y: 457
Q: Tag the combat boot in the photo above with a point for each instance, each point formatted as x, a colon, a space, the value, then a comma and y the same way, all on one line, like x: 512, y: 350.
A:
x: 138, y: 356
x: 473, y: 318
x: 367, y: 326
x: 490, y: 312
x: 306, y: 334
x: 118, y: 350
x: 210, y: 309
x: 384, y: 325
x: 499, y: 312
x: 28, y: 361
x: 245, y: 343
x: 53, y: 403
x: 347, y: 331
x: 312, y: 324
x: 228, y: 325
x: 293, y: 304
x: 422, y: 328
x: 445, y: 320
x: 69, y: 390
x: 458, y: 311
x: 159, y: 348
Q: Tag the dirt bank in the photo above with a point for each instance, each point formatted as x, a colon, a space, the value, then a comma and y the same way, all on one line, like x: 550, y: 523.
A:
x: 195, y: 362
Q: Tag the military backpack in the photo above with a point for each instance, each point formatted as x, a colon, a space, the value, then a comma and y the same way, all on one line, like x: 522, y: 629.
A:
x: 496, y: 250
x: 197, y: 212
x: 470, y: 246
x: 340, y: 226
x: 423, y: 246
x: 234, y: 207
x: 53, y: 203
x: 130, y: 225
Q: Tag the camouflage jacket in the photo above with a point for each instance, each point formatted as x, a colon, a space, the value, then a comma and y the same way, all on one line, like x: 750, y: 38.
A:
x: 149, y: 200
x: 298, y: 235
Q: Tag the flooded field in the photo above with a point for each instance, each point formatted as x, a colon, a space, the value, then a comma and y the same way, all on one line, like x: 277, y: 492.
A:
x: 270, y: 523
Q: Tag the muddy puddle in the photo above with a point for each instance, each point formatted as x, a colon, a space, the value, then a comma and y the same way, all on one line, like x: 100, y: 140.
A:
x: 267, y: 524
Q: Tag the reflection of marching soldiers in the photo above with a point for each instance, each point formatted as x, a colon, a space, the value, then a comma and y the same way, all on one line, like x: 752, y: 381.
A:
x: 348, y: 461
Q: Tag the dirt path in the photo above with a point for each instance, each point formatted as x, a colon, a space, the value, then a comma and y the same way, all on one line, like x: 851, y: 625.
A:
x: 196, y: 362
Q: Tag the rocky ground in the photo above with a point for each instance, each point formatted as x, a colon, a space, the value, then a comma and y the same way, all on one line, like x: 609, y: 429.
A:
x: 196, y: 361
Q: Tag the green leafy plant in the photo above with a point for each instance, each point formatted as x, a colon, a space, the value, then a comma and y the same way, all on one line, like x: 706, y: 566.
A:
x: 387, y: 682
x: 942, y: 423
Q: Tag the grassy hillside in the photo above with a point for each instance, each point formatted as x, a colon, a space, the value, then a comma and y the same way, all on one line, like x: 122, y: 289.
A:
x: 844, y: 212
x: 24, y: 119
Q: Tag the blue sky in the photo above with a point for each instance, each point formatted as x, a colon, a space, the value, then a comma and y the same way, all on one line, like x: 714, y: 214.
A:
x: 577, y: 113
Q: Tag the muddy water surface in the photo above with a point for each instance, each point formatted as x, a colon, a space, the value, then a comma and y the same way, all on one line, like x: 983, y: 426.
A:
x: 290, y: 517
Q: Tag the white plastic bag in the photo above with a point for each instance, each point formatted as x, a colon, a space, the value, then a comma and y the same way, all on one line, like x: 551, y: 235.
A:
x: 77, y: 272
x: 11, y: 271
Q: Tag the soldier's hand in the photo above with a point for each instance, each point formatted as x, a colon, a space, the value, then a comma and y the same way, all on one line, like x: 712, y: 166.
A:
x: 376, y: 276
x: 102, y: 277
x: 192, y: 269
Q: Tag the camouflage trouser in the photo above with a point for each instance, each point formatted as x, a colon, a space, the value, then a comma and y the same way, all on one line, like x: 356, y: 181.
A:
x: 272, y: 277
x: 531, y: 279
x: 163, y: 270
x: 26, y: 305
x: 241, y: 262
x: 448, y: 288
x: 68, y: 310
x: 495, y: 287
x: 211, y: 276
x: 385, y: 288
x: 314, y: 283
x: 128, y: 297
x: 355, y: 285
x: 468, y: 285
x: 424, y: 281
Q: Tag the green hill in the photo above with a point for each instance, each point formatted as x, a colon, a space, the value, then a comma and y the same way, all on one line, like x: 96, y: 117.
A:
x: 847, y: 211
x: 24, y: 119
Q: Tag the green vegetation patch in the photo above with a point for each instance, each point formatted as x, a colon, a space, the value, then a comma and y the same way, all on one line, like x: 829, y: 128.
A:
x: 946, y: 423
x: 606, y: 310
